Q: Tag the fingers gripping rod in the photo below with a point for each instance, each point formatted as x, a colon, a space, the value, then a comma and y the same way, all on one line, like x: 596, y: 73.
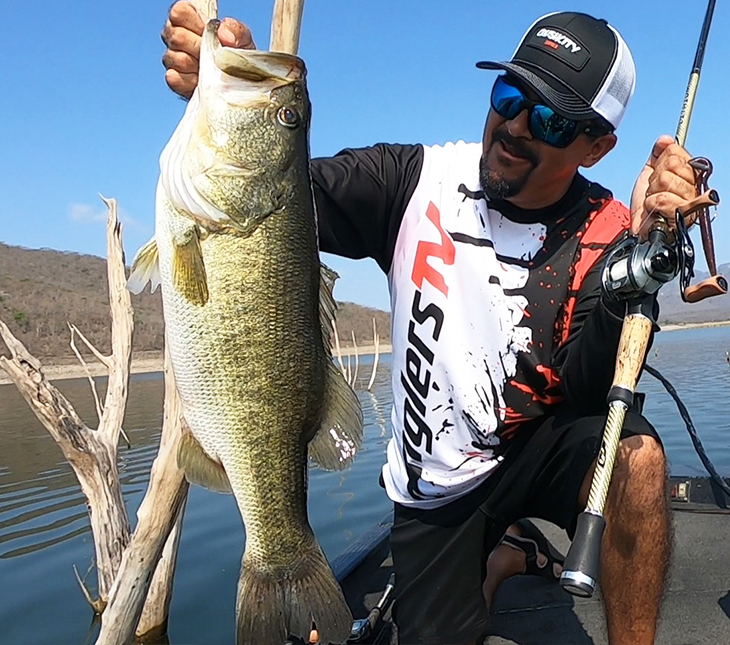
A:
x: 582, y: 564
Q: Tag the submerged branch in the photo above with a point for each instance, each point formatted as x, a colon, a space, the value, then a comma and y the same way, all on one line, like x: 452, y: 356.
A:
x: 376, y: 343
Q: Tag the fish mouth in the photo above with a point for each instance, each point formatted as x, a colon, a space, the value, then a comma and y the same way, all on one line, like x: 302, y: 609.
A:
x: 263, y: 69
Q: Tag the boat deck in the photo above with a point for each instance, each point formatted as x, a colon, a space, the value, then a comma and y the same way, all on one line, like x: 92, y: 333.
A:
x: 534, y: 611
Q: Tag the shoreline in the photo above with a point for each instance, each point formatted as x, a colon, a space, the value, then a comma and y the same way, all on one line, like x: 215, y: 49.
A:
x: 677, y: 326
x: 148, y: 364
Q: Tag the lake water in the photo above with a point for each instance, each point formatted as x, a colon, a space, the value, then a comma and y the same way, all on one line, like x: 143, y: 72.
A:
x: 44, y: 525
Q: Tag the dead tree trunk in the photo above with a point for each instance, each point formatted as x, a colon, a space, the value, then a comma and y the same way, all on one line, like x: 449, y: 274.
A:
x: 163, y: 503
x: 91, y: 453
x: 93, y: 456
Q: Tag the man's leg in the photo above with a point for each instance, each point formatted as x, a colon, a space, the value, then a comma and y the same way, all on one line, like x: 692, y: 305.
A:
x: 505, y: 562
x: 439, y: 558
x: 636, y: 544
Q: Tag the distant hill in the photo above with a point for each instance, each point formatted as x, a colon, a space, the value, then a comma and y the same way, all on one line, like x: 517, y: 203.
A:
x: 674, y: 310
x: 41, y: 290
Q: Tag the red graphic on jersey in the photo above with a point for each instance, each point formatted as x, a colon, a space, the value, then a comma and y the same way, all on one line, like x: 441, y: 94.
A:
x: 550, y: 395
x: 550, y: 43
x: 511, y: 423
x: 604, y: 226
x: 551, y: 377
x: 445, y: 251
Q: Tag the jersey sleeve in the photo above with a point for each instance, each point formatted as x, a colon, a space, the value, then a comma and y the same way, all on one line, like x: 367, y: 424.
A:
x: 587, y: 360
x: 360, y: 197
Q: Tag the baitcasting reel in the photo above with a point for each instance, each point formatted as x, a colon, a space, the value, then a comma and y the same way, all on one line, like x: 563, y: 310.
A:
x: 634, y: 268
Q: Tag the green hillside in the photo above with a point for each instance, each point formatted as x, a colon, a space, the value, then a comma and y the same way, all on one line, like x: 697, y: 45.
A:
x: 42, y: 290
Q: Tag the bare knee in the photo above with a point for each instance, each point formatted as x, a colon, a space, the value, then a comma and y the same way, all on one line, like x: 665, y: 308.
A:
x: 640, y: 466
x: 638, y: 486
x: 640, y: 462
x: 637, y: 508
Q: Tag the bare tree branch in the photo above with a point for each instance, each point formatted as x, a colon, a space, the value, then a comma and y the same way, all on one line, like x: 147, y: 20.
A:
x: 92, y: 383
x: 104, y: 360
x: 122, y: 316
x: 357, y: 364
x: 338, y: 351
x: 286, y: 25
x: 98, y: 604
x: 376, y: 343
x: 93, y: 463
x: 153, y: 621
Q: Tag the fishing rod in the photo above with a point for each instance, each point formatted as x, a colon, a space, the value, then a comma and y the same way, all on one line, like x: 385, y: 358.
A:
x: 634, y: 272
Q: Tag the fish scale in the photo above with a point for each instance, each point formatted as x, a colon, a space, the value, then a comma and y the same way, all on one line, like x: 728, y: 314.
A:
x: 235, y: 251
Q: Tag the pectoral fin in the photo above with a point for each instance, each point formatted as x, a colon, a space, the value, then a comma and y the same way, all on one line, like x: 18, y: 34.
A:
x: 188, y: 269
x: 199, y: 468
x: 145, y: 268
x: 340, y: 435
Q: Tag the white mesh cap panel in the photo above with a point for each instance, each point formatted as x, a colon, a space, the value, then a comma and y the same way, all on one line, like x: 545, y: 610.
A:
x: 613, y: 98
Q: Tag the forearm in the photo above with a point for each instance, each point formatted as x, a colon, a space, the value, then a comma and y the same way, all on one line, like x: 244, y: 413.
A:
x: 586, y: 363
x: 360, y: 196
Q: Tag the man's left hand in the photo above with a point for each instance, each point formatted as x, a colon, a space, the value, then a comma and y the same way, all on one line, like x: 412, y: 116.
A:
x: 665, y: 182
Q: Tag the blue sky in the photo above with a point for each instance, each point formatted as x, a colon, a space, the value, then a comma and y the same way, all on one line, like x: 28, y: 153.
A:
x: 84, y: 108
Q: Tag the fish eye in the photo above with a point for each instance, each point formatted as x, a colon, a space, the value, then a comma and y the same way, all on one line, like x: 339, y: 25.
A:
x: 287, y: 117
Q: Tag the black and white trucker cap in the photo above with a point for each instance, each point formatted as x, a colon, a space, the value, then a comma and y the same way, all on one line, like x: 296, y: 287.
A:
x: 579, y: 65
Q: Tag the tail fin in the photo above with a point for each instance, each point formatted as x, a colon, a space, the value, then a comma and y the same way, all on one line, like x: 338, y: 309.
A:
x: 272, y: 606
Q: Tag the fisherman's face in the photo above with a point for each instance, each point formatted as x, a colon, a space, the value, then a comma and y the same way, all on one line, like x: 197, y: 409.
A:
x: 525, y: 171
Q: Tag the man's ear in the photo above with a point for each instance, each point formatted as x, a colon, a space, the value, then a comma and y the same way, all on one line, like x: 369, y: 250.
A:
x: 600, y: 147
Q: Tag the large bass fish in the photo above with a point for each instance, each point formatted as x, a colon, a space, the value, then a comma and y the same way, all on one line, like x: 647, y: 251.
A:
x: 235, y: 250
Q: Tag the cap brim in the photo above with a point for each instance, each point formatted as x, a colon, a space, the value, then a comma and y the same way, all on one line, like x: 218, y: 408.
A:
x: 567, y: 104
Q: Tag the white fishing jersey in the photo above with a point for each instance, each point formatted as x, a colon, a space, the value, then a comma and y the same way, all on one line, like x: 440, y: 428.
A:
x: 488, y: 302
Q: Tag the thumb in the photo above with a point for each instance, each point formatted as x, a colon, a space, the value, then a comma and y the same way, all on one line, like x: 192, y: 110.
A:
x: 661, y: 144
x: 235, y: 34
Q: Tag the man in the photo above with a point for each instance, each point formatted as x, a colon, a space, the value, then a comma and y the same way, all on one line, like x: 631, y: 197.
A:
x: 503, y: 346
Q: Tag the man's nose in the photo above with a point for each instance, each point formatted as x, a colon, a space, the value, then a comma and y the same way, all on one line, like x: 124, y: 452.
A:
x: 519, y: 127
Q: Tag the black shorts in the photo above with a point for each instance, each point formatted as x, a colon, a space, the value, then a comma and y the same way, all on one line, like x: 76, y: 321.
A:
x: 440, y: 555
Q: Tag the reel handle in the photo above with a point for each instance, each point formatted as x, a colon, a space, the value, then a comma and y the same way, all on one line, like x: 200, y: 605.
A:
x: 716, y: 285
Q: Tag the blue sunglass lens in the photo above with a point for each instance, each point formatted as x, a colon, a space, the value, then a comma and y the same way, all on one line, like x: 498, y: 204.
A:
x: 507, y: 100
x: 550, y: 127
x: 545, y: 124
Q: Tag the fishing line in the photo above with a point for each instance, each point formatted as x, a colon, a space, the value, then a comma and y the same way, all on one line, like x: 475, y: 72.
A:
x: 699, y: 448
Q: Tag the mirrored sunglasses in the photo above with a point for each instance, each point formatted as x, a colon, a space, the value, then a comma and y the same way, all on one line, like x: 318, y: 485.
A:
x: 544, y: 123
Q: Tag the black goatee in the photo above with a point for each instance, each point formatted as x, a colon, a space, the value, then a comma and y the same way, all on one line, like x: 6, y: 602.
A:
x: 494, y: 184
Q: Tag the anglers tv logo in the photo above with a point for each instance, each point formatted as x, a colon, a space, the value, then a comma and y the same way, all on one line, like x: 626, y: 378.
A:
x: 556, y: 39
